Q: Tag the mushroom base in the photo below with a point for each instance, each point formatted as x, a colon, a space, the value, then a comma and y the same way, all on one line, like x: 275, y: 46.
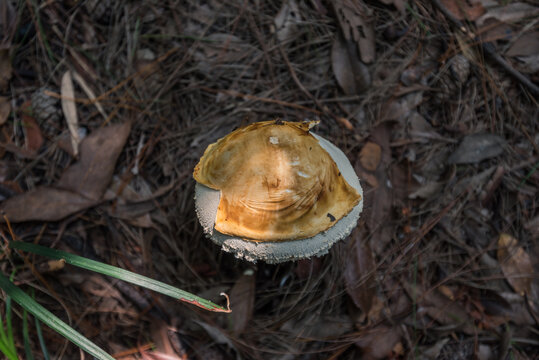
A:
x: 207, y: 201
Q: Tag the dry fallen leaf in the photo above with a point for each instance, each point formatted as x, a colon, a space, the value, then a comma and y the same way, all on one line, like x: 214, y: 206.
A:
x: 287, y: 20
x: 359, y: 271
x: 44, y: 204
x: 381, y: 199
x: 242, y: 300
x: 426, y: 191
x: 8, y: 22
x: 352, y: 75
x: 91, y: 175
x: 160, y: 334
x: 80, y: 187
x: 464, y: 10
x: 70, y: 110
x: 442, y: 309
x: 379, y: 342
x: 526, y: 45
x: 5, y: 69
x: 352, y: 17
x: 33, y: 139
x: 476, y: 148
x: 90, y: 93
x: 370, y: 156
x: 509, y: 13
x: 516, y: 264
x: 5, y: 109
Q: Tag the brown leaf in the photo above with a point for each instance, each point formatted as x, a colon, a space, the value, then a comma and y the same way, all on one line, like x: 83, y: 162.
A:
x: 476, y: 148
x: 379, y: 342
x: 526, y: 45
x: 160, y: 335
x: 426, y: 191
x: 5, y: 69
x: 99, y: 151
x: 32, y: 134
x: 370, y: 156
x: 8, y: 22
x: 359, y: 271
x: 352, y: 75
x: 287, y: 20
x: 5, y: 109
x: 442, y: 309
x: 512, y: 12
x: 242, y: 299
x: 352, y: 17
x: 44, y: 204
x: 381, y: 198
x: 80, y: 187
x: 516, y: 264
x: 70, y: 110
x: 464, y: 10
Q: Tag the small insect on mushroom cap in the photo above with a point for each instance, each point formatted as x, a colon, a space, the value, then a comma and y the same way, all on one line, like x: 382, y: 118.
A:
x: 276, y: 183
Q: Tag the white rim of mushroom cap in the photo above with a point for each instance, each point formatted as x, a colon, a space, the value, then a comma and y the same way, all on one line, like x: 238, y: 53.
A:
x: 272, y: 252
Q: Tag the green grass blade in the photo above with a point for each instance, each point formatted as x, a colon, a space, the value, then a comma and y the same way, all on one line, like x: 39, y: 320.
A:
x: 30, y: 305
x: 26, y: 336
x: 6, y: 348
x: 39, y: 333
x: 41, y: 340
x: 3, y: 337
x: 10, y: 339
x: 118, y: 273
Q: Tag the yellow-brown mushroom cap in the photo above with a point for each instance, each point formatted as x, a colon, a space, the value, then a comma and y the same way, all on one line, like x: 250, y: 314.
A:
x: 276, y: 182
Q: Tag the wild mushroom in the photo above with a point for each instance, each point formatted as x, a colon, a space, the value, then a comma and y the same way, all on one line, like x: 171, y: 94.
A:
x: 274, y: 191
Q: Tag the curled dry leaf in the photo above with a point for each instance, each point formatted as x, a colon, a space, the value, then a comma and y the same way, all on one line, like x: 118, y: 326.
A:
x: 70, y: 110
x: 516, y: 264
x: 352, y: 17
x: 352, y: 75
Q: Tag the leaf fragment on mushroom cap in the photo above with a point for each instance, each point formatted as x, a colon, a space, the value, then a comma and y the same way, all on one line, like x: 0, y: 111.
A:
x: 276, y: 182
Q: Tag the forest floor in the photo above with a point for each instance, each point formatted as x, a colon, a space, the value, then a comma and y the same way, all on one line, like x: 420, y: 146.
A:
x: 433, y: 102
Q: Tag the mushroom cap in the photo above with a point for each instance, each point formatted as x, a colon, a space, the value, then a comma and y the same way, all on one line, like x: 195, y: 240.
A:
x: 277, y: 183
x: 207, y: 202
